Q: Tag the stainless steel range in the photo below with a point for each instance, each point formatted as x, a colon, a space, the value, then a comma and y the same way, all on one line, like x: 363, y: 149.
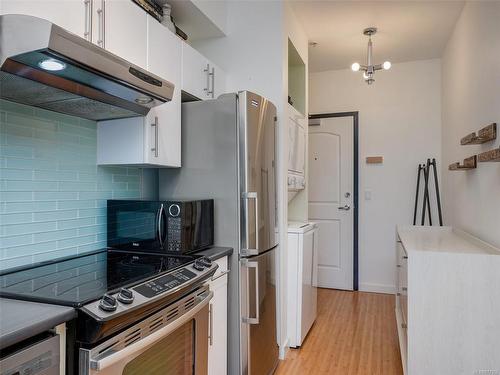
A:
x: 138, y: 313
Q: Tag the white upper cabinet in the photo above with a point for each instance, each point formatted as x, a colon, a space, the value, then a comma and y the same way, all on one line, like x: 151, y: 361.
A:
x: 153, y: 140
x: 70, y: 15
x: 200, y: 77
x: 122, y: 28
x: 164, y: 51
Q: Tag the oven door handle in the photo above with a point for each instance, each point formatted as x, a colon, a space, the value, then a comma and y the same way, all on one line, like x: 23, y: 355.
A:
x: 135, y: 349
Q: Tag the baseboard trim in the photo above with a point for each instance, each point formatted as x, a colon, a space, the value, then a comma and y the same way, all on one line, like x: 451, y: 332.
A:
x: 283, y: 349
x: 377, y: 288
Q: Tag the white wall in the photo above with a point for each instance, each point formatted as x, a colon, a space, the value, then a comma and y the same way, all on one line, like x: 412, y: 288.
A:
x: 399, y: 119
x: 471, y: 100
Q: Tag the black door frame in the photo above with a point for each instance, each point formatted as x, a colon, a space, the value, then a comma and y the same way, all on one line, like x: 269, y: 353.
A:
x: 355, y: 116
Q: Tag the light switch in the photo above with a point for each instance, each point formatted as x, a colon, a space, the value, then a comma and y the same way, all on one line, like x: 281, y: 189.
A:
x: 368, y: 195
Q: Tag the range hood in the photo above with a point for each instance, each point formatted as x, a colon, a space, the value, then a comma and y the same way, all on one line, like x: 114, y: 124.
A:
x: 45, y: 66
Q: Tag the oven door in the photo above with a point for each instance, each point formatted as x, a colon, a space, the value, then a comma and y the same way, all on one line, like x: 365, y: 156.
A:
x: 173, y: 341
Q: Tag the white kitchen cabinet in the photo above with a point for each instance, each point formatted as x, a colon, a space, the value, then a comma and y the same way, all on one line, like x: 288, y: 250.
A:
x: 153, y: 140
x: 201, y: 78
x: 164, y: 60
x: 120, y: 26
x: 217, y: 340
x: 124, y: 30
x: 70, y: 15
x: 302, y: 280
x: 447, y: 302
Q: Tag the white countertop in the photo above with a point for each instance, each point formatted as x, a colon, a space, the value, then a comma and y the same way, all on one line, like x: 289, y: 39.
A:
x: 442, y: 239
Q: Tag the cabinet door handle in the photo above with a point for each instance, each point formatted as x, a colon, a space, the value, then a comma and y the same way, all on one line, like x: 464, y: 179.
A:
x: 403, y: 325
x: 101, y: 25
x: 211, y: 324
x: 155, y: 125
x: 87, y: 34
x: 404, y: 289
x: 207, y: 72
x: 212, y: 75
x: 405, y: 257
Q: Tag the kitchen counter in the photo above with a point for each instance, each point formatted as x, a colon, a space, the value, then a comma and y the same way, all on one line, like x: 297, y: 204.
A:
x: 20, y: 320
x: 216, y: 252
x: 442, y: 240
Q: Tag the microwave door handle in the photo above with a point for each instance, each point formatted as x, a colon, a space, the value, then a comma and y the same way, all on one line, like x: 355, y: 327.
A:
x: 134, y: 350
x: 160, y: 219
x: 164, y: 235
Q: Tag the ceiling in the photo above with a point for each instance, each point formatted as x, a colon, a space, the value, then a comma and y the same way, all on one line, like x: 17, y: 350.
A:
x: 407, y: 30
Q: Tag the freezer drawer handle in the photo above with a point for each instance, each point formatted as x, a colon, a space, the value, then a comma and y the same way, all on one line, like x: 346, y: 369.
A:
x: 251, y: 264
x: 248, y: 251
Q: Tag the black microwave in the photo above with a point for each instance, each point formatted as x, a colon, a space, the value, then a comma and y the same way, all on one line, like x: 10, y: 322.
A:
x: 160, y: 226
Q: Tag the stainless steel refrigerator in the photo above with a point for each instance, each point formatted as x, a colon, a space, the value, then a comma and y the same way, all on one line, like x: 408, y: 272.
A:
x: 228, y: 154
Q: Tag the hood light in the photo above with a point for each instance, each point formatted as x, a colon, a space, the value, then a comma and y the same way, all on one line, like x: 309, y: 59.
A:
x: 143, y: 100
x: 52, y: 65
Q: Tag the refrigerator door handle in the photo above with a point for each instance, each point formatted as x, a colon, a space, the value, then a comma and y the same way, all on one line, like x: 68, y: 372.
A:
x: 248, y: 251
x: 250, y: 264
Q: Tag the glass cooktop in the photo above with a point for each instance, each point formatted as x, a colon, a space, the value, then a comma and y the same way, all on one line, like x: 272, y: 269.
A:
x: 78, y: 280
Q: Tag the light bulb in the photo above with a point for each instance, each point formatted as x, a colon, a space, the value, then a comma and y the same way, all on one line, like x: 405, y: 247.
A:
x: 386, y: 65
x: 355, y: 67
x: 51, y: 65
x: 365, y: 75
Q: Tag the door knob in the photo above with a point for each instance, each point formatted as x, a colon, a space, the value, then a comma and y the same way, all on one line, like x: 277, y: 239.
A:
x: 345, y: 208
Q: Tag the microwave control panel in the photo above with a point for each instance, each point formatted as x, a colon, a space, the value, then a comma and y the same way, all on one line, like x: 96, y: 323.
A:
x: 174, y: 234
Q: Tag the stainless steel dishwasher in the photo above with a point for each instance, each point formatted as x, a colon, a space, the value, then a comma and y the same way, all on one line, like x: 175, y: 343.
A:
x: 36, y: 357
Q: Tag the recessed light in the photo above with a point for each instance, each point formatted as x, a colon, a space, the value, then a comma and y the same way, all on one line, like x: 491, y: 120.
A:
x: 143, y: 100
x: 52, y: 65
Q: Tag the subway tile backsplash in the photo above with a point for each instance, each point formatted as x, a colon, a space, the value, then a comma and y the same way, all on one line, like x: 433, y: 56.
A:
x: 52, y: 193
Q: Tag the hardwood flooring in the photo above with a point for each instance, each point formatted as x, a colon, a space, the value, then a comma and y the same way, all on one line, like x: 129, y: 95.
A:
x: 354, y: 334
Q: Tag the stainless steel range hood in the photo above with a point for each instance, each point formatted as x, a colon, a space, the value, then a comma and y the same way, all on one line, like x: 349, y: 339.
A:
x: 45, y: 66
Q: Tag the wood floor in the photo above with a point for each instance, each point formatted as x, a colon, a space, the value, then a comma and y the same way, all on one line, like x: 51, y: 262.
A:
x: 354, y: 334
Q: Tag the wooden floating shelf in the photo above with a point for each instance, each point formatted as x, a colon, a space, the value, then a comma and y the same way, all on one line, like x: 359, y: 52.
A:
x: 490, y: 156
x: 469, y: 163
x: 486, y: 134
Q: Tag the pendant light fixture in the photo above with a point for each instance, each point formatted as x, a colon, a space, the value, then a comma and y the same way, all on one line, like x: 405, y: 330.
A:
x: 369, y: 69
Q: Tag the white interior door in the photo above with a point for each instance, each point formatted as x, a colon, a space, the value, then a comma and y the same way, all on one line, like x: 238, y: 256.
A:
x: 331, y: 183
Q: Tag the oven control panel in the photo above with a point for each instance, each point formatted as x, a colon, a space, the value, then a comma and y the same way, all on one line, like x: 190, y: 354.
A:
x: 165, y: 283
x: 126, y: 300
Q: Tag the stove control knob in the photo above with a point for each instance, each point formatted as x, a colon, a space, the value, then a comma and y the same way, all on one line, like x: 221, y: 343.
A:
x: 108, y: 303
x: 207, y: 262
x: 125, y: 296
x: 198, y: 265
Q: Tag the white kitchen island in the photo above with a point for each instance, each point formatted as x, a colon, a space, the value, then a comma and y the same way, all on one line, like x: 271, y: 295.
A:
x: 447, y: 302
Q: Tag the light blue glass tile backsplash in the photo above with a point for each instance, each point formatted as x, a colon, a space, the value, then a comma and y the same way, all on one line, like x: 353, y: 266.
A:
x: 52, y: 193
